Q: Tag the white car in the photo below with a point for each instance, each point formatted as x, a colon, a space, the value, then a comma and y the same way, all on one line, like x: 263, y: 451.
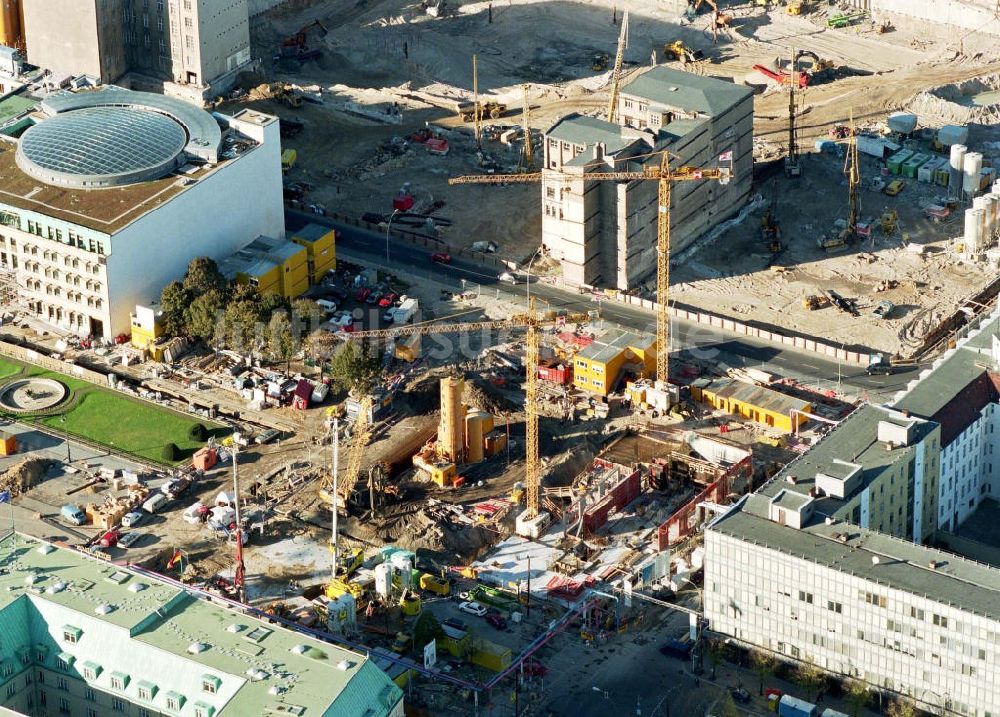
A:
x: 131, y: 520
x: 195, y: 514
x: 473, y: 608
x: 130, y: 538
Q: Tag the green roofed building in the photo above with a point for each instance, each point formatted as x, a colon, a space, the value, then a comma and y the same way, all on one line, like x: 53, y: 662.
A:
x: 86, y: 638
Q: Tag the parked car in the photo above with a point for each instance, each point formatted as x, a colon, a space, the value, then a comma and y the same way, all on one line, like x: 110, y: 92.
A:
x: 440, y: 257
x: 72, y: 514
x: 156, y: 503
x: 374, y: 298
x: 109, y: 539
x: 197, y: 513
x: 496, y: 620
x: 455, y: 623
x: 534, y: 669
x: 740, y: 694
x: 473, y: 608
x: 337, y: 294
x: 130, y: 538
x: 131, y: 520
x: 362, y: 293
x: 388, y: 299
x: 895, y: 187
x: 327, y: 305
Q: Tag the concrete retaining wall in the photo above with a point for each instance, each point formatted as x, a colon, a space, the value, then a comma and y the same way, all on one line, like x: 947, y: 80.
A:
x: 30, y: 356
x: 966, y: 14
x: 801, y: 343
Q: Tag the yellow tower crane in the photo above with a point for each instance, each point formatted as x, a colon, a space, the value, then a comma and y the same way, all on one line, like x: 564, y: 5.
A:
x: 666, y: 177
x: 530, y: 321
x: 616, y: 72
x: 347, y: 481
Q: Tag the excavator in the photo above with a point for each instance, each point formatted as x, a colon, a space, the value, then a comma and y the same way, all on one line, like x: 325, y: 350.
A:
x: 299, y: 38
x: 806, y: 75
x: 677, y: 50
x: 720, y: 21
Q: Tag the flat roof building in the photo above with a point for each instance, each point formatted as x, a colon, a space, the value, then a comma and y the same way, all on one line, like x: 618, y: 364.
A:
x: 109, y: 195
x: 193, y: 48
x: 85, y: 636
x: 603, y: 232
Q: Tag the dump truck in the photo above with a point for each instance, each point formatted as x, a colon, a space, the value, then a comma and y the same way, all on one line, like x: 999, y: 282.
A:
x: 436, y: 585
x: 487, y: 108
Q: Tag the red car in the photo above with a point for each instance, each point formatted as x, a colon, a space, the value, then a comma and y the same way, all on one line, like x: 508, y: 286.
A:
x: 110, y: 539
x: 440, y: 257
x: 362, y: 294
x: 388, y: 300
x: 497, y: 621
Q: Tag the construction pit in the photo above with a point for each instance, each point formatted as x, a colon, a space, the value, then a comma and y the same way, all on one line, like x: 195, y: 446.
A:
x: 389, y: 71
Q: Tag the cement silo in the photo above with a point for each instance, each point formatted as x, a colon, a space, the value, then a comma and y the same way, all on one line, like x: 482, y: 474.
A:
x: 973, y: 236
x: 955, y: 166
x: 972, y: 165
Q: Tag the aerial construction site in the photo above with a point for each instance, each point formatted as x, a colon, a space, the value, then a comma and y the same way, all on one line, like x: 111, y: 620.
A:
x: 602, y: 269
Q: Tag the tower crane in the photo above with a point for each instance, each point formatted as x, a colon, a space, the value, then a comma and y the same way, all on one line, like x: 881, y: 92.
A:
x: 665, y: 176
x: 530, y: 321
x: 616, y: 72
x: 347, y: 481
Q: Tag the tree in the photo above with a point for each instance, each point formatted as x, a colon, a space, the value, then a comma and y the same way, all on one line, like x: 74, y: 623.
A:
x: 811, y: 678
x: 763, y: 665
x: 729, y: 708
x: 203, y: 275
x: 241, y: 328
x: 270, y: 302
x: 282, y: 343
x: 898, y: 708
x: 425, y: 629
x: 202, y: 316
x: 716, y: 654
x: 174, y: 299
x: 857, y: 697
x: 352, y: 370
x: 307, y: 315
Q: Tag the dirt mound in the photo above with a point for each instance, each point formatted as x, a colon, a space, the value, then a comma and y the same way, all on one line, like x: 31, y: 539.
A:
x: 482, y: 396
x: 22, y: 476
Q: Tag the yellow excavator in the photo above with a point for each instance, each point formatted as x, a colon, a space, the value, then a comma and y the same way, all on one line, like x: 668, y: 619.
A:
x: 677, y: 50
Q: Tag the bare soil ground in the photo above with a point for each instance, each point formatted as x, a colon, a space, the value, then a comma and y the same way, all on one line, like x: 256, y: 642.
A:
x: 386, y: 53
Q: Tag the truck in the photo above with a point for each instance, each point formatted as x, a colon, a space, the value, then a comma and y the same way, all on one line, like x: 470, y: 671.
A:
x: 487, y: 108
x: 73, y: 514
x: 320, y: 392
x: 794, y: 707
x: 403, y: 313
x: 288, y: 158
x: 436, y: 585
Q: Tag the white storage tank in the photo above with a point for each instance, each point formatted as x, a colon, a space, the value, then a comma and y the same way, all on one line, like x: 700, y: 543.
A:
x: 973, y: 229
x: 958, y: 155
x: 697, y: 558
x: 971, y: 168
x: 991, y: 216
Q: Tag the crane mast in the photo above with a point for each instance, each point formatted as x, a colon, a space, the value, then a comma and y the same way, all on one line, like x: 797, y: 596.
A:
x: 616, y: 72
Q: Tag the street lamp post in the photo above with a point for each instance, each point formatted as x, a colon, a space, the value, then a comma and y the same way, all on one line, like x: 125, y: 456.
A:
x: 387, y: 227
x: 62, y: 419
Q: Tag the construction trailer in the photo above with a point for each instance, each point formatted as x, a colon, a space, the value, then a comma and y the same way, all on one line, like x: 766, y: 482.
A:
x: 597, y: 368
x: 755, y: 403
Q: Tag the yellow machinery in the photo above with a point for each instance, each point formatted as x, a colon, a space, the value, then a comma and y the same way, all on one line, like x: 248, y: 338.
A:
x: 337, y: 587
x: 795, y: 7
x: 889, y: 221
x: 528, y: 153
x: 530, y: 321
x: 616, y: 73
x: 677, y: 50
x: 409, y: 603
x: 665, y: 176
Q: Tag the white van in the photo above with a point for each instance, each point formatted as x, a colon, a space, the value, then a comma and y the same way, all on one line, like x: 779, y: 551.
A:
x: 327, y: 306
x: 155, y: 503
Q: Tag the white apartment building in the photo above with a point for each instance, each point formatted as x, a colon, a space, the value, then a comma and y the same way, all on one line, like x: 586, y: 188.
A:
x: 904, y: 618
x: 93, y: 222
x: 82, y: 637
x: 604, y: 232
x: 962, y: 393
x: 194, y: 47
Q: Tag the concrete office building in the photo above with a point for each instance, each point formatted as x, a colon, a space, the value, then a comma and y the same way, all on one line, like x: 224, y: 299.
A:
x: 195, y: 48
x: 604, y: 233
x: 107, y: 198
x: 904, y: 618
x: 824, y: 563
x: 84, y: 637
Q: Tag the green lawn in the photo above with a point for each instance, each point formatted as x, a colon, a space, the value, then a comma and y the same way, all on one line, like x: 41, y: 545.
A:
x: 9, y: 368
x: 116, y: 420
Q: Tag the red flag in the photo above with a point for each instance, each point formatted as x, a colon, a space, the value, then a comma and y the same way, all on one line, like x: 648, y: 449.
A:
x: 174, y: 559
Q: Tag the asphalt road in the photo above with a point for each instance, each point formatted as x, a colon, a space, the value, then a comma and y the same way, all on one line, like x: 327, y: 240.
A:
x: 688, y: 338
